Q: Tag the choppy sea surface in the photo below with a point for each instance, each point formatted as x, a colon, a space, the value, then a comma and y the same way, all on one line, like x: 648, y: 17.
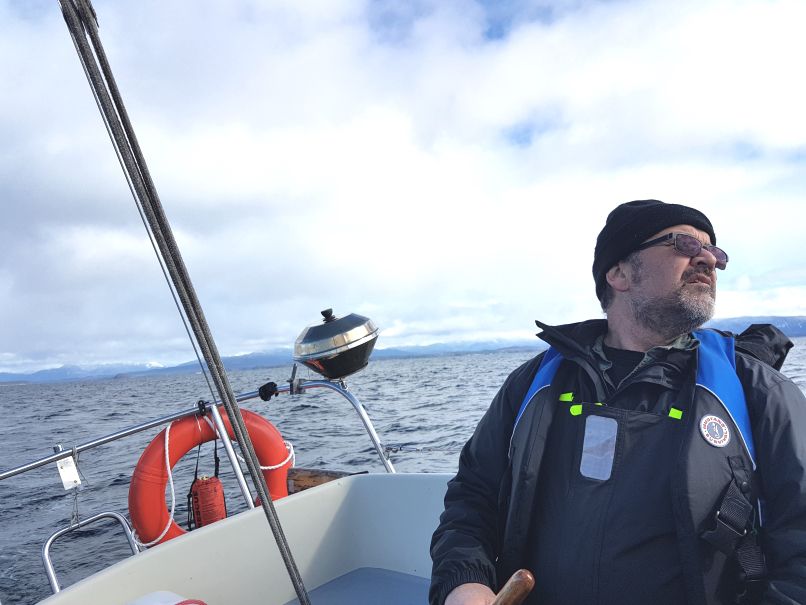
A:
x: 425, y: 408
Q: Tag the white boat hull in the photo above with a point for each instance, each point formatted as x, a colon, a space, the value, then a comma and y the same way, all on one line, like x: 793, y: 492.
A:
x: 364, y: 521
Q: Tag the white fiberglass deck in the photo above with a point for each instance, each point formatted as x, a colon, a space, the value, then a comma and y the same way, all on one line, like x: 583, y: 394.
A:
x: 371, y: 586
x: 351, y: 538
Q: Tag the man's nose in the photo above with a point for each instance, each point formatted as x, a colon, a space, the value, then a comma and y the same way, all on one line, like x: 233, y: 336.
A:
x: 704, y: 258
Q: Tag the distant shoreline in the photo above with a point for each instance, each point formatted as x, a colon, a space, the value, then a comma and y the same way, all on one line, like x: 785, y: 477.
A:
x: 792, y: 326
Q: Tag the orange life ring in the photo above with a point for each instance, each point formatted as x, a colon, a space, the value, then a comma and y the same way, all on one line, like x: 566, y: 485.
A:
x: 147, y: 508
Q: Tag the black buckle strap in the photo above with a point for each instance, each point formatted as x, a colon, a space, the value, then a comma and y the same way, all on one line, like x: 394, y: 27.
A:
x: 751, y: 559
x: 731, y: 521
x: 730, y: 533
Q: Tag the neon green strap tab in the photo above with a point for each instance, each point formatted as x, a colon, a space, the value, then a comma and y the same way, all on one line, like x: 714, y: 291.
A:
x: 675, y: 413
x: 566, y: 397
x: 576, y: 410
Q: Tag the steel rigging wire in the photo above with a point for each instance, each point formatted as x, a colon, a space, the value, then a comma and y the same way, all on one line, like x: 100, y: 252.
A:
x: 82, y: 24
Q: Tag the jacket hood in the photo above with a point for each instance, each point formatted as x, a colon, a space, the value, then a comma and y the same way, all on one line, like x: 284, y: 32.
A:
x: 575, y: 338
x: 764, y: 342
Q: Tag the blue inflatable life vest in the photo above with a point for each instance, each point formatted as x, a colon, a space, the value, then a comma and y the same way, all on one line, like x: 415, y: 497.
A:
x: 716, y: 372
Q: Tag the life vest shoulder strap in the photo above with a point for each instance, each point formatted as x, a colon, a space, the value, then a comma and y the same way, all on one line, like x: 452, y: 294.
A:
x: 716, y: 372
x: 545, y: 374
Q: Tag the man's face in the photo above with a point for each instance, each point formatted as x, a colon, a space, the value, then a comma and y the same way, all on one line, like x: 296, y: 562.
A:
x: 671, y: 293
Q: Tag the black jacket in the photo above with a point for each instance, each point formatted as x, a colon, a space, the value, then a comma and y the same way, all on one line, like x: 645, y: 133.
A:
x: 482, y: 535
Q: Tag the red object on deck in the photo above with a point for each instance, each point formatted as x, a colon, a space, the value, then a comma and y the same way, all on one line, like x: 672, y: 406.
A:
x: 207, y: 501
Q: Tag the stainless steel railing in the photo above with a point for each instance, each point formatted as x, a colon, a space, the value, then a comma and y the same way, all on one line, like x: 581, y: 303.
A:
x: 49, y: 569
x: 296, y: 386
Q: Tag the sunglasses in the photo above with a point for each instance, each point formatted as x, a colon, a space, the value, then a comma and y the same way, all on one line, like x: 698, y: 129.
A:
x: 687, y: 245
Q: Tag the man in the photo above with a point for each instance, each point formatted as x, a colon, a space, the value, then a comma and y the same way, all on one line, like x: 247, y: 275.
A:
x: 637, y: 461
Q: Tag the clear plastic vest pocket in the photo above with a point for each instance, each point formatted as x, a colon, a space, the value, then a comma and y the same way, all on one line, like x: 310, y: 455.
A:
x: 598, y: 447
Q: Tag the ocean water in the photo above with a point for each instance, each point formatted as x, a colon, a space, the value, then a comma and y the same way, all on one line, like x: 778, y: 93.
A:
x: 424, y: 407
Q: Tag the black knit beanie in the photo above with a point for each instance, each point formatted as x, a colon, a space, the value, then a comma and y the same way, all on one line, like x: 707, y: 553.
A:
x: 631, y: 224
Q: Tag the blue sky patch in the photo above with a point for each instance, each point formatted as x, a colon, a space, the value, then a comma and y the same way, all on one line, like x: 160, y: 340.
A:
x: 520, y: 135
x: 393, y: 22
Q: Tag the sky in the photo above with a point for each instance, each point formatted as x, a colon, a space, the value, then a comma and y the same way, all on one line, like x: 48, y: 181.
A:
x: 440, y: 166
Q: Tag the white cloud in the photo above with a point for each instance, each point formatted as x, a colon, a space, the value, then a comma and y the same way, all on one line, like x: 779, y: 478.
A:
x: 388, y: 160
x: 763, y: 301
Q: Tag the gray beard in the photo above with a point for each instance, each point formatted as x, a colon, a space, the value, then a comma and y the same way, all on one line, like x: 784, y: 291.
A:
x: 677, y: 313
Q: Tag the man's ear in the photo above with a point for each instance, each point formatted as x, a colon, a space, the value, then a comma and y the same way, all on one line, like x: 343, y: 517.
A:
x: 618, y: 278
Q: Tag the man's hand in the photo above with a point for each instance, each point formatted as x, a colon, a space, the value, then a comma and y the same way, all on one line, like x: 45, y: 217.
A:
x: 470, y: 594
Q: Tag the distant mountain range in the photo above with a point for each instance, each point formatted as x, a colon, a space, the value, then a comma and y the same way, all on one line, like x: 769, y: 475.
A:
x: 791, y: 326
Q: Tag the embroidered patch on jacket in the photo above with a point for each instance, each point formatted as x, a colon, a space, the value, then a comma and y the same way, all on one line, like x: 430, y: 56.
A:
x: 714, y: 430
